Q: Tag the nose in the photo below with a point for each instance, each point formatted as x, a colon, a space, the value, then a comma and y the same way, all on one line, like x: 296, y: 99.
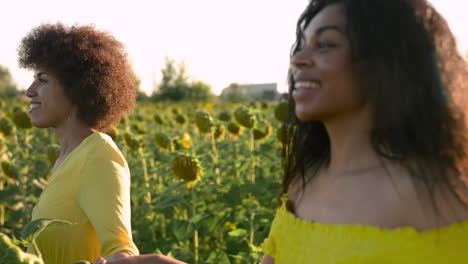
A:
x: 31, y: 91
x: 301, y: 59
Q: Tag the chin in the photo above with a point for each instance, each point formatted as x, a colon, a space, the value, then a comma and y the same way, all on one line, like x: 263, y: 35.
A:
x: 307, y: 114
x: 39, y: 124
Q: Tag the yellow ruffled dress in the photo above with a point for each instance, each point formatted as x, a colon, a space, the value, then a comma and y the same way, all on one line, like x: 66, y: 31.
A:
x: 293, y: 240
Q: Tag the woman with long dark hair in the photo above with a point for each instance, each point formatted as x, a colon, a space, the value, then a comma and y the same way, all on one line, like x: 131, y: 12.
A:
x: 376, y: 154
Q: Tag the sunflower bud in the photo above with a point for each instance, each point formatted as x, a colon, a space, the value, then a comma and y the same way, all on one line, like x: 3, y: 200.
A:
x: 186, y: 168
x: 162, y: 140
x: 234, y: 128
x: 21, y: 119
x: 225, y: 116
x: 9, y: 169
x: 53, y: 152
x: 281, y: 111
x: 262, y: 130
x: 180, y: 119
x: 244, y: 117
x: 139, y: 117
x: 157, y: 118
x: 203, y: 121
x: 6, y: 127
x: 137, y: 128
x: 131, y: 141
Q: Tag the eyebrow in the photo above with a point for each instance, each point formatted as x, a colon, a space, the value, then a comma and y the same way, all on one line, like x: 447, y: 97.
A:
x: 39, y: 74
x: 320, y: 30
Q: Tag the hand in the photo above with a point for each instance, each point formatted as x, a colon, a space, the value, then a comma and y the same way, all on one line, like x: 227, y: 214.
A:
x: 100, y: 261
x: 117, y: 256
x: 142, y: 259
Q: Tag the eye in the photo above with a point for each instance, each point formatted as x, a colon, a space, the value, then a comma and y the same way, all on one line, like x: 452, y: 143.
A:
x: 42, y: 81
x: 325, y: 45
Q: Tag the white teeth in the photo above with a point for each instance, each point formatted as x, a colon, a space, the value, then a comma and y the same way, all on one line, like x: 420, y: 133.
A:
x: 34, y: 106
x: 311, y: 85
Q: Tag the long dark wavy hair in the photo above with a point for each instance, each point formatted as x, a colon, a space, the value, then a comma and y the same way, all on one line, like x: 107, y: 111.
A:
x: 414, y: 80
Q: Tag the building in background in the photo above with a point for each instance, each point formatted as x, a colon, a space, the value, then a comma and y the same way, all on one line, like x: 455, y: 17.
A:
x: 240, y: 92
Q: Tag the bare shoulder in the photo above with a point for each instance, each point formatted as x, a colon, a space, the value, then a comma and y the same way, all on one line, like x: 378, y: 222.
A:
x: 425, y: 210
x: 386, y: 197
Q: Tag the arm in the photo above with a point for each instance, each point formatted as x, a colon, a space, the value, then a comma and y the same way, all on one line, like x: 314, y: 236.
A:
x: 143, y: 259
x: 267, y: 260
x: 104, y: 197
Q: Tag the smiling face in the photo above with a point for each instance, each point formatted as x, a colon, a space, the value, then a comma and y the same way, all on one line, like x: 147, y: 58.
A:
x: 324, y: 82
x: 49, y: 107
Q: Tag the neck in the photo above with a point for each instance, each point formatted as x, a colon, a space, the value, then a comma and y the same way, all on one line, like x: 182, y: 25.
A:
x: 70, y: 134
x: 350, y: 145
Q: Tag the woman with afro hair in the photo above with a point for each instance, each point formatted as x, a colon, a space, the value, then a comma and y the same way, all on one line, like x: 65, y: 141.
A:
x: 83, y: 84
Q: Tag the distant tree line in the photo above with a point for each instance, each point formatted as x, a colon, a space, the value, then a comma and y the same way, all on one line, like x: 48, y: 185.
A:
x: 176, y: 85
x: 7, y: 85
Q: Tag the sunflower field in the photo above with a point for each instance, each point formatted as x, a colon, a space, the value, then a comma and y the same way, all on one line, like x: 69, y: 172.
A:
x: 205, y: 176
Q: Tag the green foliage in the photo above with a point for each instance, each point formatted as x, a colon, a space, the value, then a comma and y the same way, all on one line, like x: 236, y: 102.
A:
x: 228, y: 213
x: 9, y: 169
x: 7, y: 86
x: 6, y: 126
x: 177, y: 86
x: 21, y: 119
x: 12, y: 254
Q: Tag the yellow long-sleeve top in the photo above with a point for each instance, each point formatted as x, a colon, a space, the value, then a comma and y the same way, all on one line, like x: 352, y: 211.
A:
x: 293, y: 240
x: 91, y: 189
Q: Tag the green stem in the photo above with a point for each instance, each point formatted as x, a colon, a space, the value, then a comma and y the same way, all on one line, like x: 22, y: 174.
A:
x: 252, y: 148
x: 215, y: 157
x: 252, y: 229
x: 195, y: 235
x: 213, y: 146
x: 2, y: 207
x: 145, y: 174
x: 236, y: 154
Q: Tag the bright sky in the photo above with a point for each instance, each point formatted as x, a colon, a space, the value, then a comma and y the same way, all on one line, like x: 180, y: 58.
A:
x: 221, y: 41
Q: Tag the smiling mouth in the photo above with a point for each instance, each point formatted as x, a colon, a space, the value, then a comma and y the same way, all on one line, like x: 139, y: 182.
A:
x: 33, y: 106
x: 307, y: 85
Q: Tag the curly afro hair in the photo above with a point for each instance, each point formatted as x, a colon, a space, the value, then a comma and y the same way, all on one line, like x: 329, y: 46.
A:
x: 91, y: 65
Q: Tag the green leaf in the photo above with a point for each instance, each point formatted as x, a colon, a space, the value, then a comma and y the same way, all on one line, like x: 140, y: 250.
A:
x: 238, y: 233
x: 218, y: 257
x: 33, y: 229
x: 182, y: 230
